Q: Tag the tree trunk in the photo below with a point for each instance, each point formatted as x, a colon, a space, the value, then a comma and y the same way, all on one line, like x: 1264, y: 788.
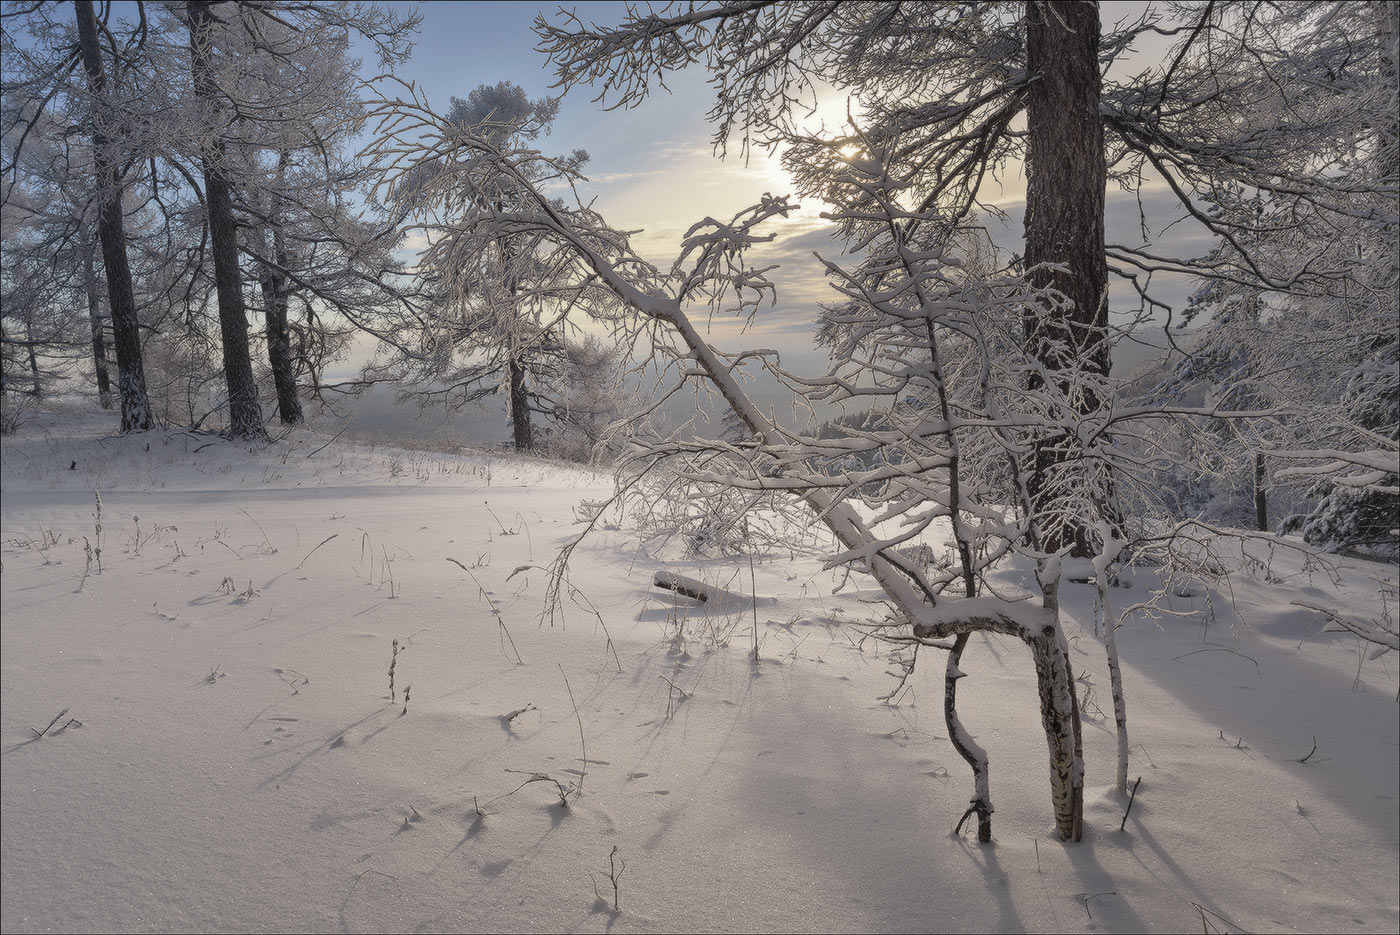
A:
x: 1059, y: 715
x: 121, y: 297
x: 275, y: 294
x: 519, y: 406
x: 519, y: 398
x: 279, y: 348
x: 1261, y: 503
x: 244, y: 411
x: 99, y: 341
x: 33, y: 362
x: 968, y: 749
x: 1064, y: 226
x: 1115, y: 677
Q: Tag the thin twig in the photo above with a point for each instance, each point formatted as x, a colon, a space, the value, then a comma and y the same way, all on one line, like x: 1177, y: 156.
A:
x: 753, y: 588
x: 581, y: 742
x: 321, y: 543
x: 1085, y: 897
x: 1205, y: 925
x: 266, y: 540
x: 536, y: 777
x: 500, y: 622
x: 1122, y: 825
x: 1219, y: 649
x: 40, y: 733
x: 329, y: 443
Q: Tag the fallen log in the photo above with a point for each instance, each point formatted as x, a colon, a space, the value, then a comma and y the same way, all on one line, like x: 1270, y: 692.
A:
x: 688, y: 587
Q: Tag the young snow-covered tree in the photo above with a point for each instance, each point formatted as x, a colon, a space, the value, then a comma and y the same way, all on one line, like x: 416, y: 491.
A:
x: 501, y: 321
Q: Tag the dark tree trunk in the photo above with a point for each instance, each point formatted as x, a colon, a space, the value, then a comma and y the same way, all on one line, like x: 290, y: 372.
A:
x: 279, y: 346
x: 275, y: 295
x: 244, y: 411
x: 121, y: 297
x: 33, y: 363
x: 976, y: 758
x: 1066, y: 177
x: 519, y: 406
x: 99, y: 340
x: 519, y: 398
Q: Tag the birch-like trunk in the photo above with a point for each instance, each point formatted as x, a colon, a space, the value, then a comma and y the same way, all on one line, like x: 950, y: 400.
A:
x: 1115, y: 680
x: 1059, y: 715
x: 1109, y: 552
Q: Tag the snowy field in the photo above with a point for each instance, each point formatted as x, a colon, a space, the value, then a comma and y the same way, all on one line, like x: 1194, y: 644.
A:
x: 229, y: 755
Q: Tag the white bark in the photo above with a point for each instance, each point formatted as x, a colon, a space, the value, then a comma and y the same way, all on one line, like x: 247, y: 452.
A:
x: 1108, y: 554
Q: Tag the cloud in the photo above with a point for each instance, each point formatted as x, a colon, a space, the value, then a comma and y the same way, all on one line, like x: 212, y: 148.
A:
x: 612, y: 178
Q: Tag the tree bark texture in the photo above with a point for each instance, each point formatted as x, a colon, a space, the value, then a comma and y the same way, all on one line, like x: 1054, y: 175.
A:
x: 516, y: 365
x: 972, y: 752
x: 4, y: 378
x: 99, y: 339
x: 279, y: 346
x: 1115, y: 678
x: 519, y: 406
x: 244, y: 410
x: 1060, y: 719
x: 33, y: 363
x: 121, y: 296
x: 1064, y: 227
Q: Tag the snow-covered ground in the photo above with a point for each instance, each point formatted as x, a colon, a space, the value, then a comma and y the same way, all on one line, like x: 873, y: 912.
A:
x: 229, y: 756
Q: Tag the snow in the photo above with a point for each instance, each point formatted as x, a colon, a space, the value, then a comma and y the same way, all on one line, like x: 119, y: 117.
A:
x: 232, y: 759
